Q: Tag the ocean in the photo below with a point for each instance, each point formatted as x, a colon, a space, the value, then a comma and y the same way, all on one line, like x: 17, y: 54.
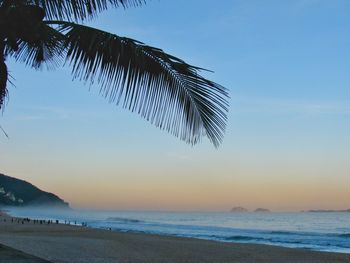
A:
x: 312, y: 231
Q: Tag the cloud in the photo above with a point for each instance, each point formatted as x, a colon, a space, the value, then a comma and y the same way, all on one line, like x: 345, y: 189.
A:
x: 289, y: 106
x: 29, y: 117
x: 307, y: 3
x: 178, y: 156
x: 34, y: 113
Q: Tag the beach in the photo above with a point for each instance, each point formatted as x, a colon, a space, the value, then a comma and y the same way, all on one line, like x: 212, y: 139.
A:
x: 68, y: 243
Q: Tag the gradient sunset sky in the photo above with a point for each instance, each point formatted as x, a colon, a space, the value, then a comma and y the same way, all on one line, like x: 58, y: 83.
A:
x: 287, y: 145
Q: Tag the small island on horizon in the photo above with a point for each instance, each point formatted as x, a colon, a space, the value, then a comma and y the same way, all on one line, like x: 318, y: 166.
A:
x: 326, y: 211
x: 262, y: 210
x: 239, y: 209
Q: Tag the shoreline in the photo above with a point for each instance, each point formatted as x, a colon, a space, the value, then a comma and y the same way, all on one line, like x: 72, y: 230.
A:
x: 84, y: 244
x: 236, y: 238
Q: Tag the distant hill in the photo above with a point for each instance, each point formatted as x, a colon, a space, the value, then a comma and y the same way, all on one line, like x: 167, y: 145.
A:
x: 239, y: 209
x: 16, y: 192
x: 262, y: 210
x: 328, y: 211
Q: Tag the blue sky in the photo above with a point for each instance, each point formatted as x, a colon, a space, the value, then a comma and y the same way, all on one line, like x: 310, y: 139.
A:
x: 286, y: 64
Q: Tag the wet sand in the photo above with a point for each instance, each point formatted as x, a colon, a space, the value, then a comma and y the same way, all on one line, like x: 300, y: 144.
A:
x: 74, y: 244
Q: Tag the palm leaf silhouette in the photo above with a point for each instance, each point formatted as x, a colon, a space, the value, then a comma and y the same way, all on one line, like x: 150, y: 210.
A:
x: 80, y: 9
x: 163, y: 89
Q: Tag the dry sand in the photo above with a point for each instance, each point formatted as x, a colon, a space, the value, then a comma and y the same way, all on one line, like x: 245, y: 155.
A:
x: 74, y: 244
x: 10, y: 255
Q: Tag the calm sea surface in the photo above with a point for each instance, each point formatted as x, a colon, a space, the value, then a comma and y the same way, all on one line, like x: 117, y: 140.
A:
x: 314, y: 231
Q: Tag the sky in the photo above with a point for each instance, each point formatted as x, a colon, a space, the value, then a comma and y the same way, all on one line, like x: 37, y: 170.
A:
x: 287, y: 145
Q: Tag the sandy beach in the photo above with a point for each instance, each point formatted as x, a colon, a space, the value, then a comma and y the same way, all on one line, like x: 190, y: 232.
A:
x: 75, y: 244
x: 10, y: 255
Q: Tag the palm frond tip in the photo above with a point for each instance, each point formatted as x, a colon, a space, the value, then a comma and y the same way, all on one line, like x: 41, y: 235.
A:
x: 78, y: 10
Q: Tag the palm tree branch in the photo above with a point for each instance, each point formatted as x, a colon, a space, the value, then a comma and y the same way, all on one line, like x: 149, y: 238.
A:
x: 3, y: 83
x: 78, y: 10
x: 47, y: 47
x: 162, y: 88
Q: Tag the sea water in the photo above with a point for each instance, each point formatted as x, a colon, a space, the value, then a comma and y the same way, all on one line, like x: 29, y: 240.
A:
x: 313, y: 231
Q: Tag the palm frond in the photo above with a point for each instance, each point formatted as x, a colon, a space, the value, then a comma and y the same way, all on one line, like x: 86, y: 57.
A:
x: 77, y: 10
x: 162, y: 88
x: 46, y: 48
x: 3, y: 84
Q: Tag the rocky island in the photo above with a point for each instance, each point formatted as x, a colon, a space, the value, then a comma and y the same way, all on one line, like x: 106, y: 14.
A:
x: 328, y: 211
x: 239, y: 209
x: 262, y: 210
